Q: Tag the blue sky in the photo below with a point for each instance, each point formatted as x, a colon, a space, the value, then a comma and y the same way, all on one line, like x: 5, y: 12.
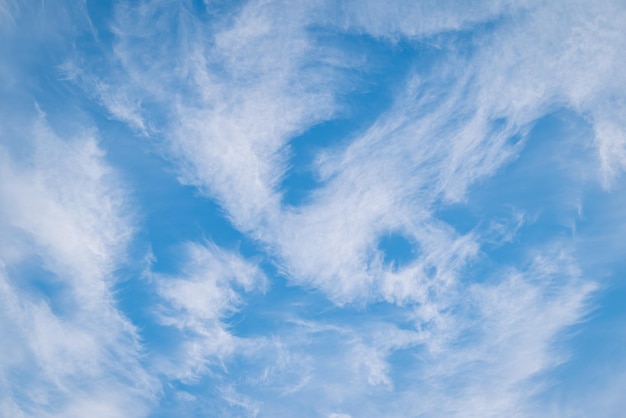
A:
x: 312, y: 208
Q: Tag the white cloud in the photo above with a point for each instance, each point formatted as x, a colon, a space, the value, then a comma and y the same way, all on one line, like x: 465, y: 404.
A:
x: 611, y: 142
x: 198, y: 302
x: 231, y: 140
x: 238, y: 93
x: 414, y: 157
x: 519, y: 322
x: 485, y: 355
x: 233, y: 95
x: 69, y: 351
x: 404, y: 19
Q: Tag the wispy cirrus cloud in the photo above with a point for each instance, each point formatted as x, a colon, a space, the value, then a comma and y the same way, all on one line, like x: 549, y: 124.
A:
x: 451, y: 165
x: 198, y: 303
x: 69, y: 350
x: 455, y: 123
x: 66, y: 225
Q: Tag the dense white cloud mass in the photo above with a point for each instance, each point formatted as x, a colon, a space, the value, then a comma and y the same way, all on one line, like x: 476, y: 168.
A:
x: 326, y: 209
